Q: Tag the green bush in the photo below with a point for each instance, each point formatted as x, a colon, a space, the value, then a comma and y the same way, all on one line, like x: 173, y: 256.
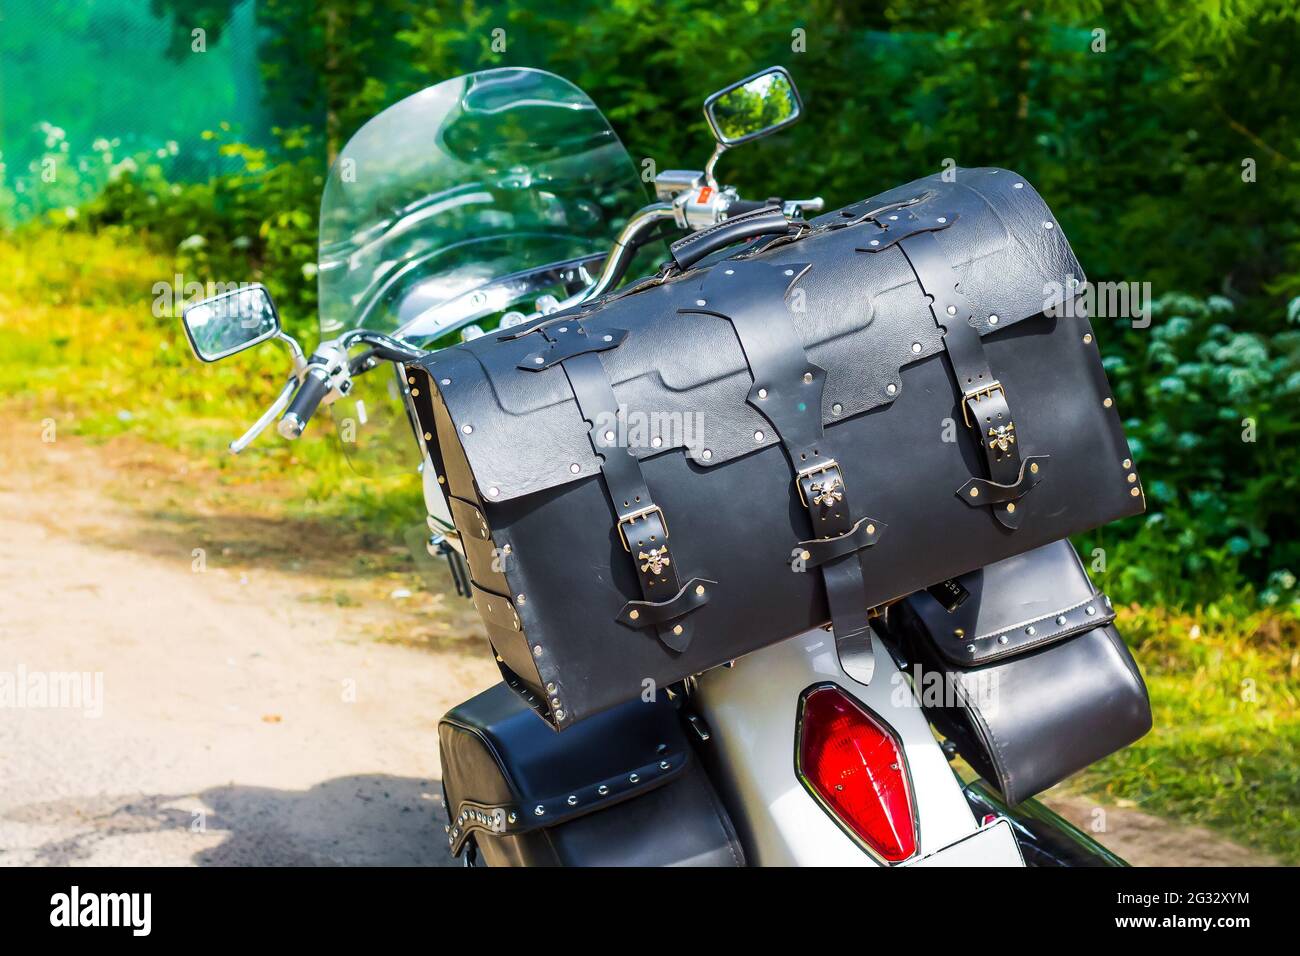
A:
x: 1214, y: 395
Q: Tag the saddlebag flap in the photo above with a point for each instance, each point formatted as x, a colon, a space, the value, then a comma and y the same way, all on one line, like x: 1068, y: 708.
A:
x: 713, y: 460
x: 1028, y: 677
x: 623, y: 789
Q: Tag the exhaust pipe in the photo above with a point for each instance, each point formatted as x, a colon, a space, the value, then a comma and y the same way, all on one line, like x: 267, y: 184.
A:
x: 1045, y: 838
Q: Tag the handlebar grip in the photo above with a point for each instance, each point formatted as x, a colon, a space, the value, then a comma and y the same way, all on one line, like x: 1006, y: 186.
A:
x: 766, y: 221
x: 743, y: 207
x: 315, y: 386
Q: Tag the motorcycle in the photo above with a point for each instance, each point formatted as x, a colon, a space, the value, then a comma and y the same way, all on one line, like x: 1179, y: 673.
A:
x: 495, y: 200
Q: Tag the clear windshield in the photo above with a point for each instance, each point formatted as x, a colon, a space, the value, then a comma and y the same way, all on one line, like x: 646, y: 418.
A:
x: 445, y: 209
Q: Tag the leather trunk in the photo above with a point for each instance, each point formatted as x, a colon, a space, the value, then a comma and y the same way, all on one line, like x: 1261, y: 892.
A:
x: 776, y: 437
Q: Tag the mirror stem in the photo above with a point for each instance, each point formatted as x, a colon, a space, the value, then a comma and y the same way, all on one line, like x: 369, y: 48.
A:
x: 713, y: 161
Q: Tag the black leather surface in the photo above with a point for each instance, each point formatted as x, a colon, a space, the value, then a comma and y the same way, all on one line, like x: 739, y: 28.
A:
x: 495, y: 754
x: 1028, y: 721
x: 890, y: 410
x: 862, y: 315
x: 1029, y: 600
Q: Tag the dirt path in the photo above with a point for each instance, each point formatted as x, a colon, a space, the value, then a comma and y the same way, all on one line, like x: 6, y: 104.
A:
x: 246, y: 717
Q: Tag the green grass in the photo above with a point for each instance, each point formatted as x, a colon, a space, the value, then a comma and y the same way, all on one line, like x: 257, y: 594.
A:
x: 81, y: 345
x: 1225, y: 694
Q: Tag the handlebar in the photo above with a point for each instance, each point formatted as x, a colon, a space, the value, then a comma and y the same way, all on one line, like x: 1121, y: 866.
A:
x: 315, y: 386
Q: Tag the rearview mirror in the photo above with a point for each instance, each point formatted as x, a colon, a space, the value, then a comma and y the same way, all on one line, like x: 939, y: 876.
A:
x: 231, y: 322
x: 754, y: 107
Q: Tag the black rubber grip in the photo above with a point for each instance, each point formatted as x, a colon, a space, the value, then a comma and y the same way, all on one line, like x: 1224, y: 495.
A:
x: 765, y: 221
x: 314, y: 387
x: 742, y: 207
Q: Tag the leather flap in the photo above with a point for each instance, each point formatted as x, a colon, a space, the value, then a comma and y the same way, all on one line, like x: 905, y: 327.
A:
x: 683, y: 378
x: 1023, y: 602
x: 508, y: 772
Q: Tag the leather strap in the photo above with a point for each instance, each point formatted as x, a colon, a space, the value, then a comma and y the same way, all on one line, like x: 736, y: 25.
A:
x: 787, y: 392
x: 984, y: 406
x: 642, y: 526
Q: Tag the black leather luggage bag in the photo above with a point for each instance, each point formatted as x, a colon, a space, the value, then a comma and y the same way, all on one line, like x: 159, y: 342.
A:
x: 1028, y: 677
x: 624, y: 789
x: 774, y: 437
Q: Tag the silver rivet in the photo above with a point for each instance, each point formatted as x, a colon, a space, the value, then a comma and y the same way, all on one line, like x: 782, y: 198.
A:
x: 941, y: 219
x: 513, y: 818
x: 1108, y: 403
x: 493, y: 492
x: 522, y: 599
x: 916, y: 346
x: 537, y: 650
x: 951, y: 310
x: 993, y: 320
x: 762, y: 393
x: 1090, y: 609
x: 446, y: 381
x: 731, y: 272
x: 1060, y: 619
x: 1128, y: 463
x: 609, y: 436
x: 467, y: 429
x: 1030, y: 630
x: 608, y: 338
x: 633, y: 778
x: 564, y: 328
x: 891, y: 388
x: 573, y: 800
x: 1019, y: 186
x: 539, y: 360
x: 893, y: 218
x: 875, y: 242
x: 706, y: 454
x: 1087, y: 338
x: 575, y: 468
x: 758, y: 436
x: 559, y: 715
x: 656, y: 442
x: 837, y: 408
x: 539, y: 811
x: 663, y: 765
x: 602, y: 790
x: 1047, y: 225
x: 701, y: 302
x: 971, y: 648
x: 1002, y: 638
x: 807, y: 378
x: 789, y: 272
x: 550, y: 688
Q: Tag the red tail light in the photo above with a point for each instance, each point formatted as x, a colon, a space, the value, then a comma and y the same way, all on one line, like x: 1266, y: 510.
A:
x: 850, y: 761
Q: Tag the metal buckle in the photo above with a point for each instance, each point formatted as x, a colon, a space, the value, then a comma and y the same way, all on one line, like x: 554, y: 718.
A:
x: 982, y: 392
x: 638, y: 516
x: 831, y: 465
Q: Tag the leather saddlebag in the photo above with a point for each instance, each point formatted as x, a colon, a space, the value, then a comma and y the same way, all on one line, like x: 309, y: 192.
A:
x: 765, y: 439
x: 1027, y: 677
x: 623, y: 789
